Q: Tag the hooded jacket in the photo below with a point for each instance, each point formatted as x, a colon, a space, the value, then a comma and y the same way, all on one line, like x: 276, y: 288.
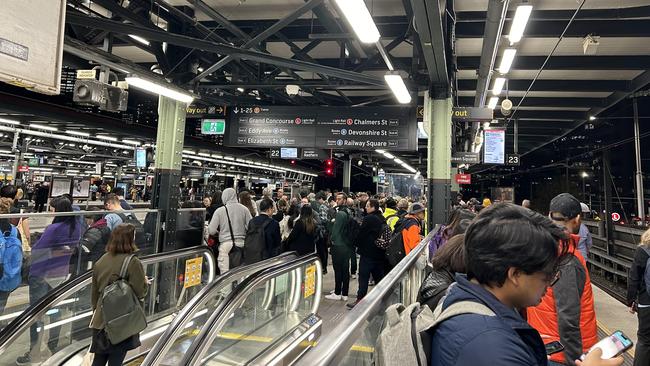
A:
x: 391, y: 217
x: 239, y: 218
x: 480, y: 340
x: 12, y: 260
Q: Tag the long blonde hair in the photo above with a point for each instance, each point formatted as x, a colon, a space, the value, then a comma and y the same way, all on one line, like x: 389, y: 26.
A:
x: 645, y: 238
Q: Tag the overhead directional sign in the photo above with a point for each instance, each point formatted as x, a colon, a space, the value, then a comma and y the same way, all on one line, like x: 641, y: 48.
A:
x: 199, y: 111
x: 463, y: 178
x: 465, y: 158
x: 340, y: 128
x: 472, y: 114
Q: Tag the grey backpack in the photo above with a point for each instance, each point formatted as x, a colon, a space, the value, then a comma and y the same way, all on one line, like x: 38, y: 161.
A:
x: 404, y: 338
x: 121, y: 308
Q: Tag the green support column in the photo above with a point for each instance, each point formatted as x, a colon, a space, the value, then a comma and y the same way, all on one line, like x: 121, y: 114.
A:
x: 439, y: 161
x: 169, y: 154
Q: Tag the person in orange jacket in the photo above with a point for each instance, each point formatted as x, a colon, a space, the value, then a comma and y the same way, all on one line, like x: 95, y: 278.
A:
x: 566, y: 313
x: 412, y: 226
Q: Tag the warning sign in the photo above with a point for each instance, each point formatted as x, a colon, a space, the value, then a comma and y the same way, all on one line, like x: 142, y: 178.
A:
x: 193, y: 272
x: 310, y: 281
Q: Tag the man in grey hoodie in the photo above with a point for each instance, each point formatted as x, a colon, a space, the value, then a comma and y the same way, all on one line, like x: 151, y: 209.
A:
x: 239, y: 217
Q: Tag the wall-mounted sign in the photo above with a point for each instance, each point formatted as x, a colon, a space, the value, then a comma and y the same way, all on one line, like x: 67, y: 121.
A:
x: 5, y: 167
x: 382, y: 176
x: 139, y: 182
x: 23, y: 168
x: 393, y: 128
x: 33, y: 162
x: 616, y: 217
x: 513, y: 159
x: 472, y: 114
x: 494, y: 144
x: 463, y: 178
x: 199, y: 111
x: 465, y: 158
x: 213, y: 126
x: 141, y: 158
x: 86, y: 74
x: 318, y: 154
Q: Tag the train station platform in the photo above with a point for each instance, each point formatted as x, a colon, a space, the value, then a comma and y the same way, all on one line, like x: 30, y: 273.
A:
x: 612, y: 315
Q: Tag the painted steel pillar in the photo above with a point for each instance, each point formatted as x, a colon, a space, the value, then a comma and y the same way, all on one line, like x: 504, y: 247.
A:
x: 169, y: 153
x: 439, y: 162
x: 347, y: 174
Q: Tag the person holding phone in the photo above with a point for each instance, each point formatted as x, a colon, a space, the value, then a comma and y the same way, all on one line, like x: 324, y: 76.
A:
x: 503, y: 283
x: 638, y: 299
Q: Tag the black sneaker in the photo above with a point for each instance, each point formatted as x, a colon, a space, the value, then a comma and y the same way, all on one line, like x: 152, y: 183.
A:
x: 25, y: 359
x: 352, y: 304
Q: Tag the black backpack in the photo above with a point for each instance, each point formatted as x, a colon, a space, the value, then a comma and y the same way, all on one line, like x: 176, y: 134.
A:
x: 395, y: 251
x: 255, y: 242
x: 352, y: 226
x: 140, y: 237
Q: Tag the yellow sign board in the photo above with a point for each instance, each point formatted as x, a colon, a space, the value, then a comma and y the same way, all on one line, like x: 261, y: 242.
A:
x: 86, y: 74
x: 310, y: 281
x: 193, y: 272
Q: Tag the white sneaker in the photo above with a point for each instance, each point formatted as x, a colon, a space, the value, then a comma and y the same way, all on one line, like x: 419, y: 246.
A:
x: 332, y: 292
x: 354, y: 277
x: 333, y: 297
x: 344, y: 298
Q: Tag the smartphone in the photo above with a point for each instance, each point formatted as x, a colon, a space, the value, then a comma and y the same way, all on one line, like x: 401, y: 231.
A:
x: 612, y: 346
x: 554, y: 347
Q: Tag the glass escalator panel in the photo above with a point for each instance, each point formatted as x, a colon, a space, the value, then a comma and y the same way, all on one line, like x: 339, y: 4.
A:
x: 55, y: 330
x: 270, y: 306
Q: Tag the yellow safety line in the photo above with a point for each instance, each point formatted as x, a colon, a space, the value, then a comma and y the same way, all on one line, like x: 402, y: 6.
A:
x: 608, y: 332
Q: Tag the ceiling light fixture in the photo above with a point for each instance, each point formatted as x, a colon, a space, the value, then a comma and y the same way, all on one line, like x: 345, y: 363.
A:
x: 139, y: 39
x: 131, y: 142
x: 506, y: 60
x: 497, y: 87
x: 41, y: 127
x: 9, y: 121
x: 104, y: 137
x: 493, y: 102
x: 168, y: 90
x: 389, y: 155
x: 78, y: 133
x: 396, y: 84
x: 519, y: 23
x: 358, y: 16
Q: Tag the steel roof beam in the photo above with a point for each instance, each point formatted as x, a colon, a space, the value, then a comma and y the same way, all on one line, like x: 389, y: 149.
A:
x: 579, y: 28
x: 254, y: 42
x: 554, y: 85
x: 330, y: 23
x: 546, y: 102
x: 567, y: 63
x: 429, y: 28
x: 208, y: 46
x: 635, y: 12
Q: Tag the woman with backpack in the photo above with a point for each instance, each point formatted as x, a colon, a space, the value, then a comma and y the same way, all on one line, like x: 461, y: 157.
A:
x: 304, y: 234
x: 638, y: 298
x: 50, y: 267
x: 120, y: 248
x: 448, y: 261
x: 372, y: 256
x: 11, y: 255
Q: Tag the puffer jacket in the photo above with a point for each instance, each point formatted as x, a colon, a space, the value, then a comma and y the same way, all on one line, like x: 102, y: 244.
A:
x: 434, y: 287
x: 566, y: 313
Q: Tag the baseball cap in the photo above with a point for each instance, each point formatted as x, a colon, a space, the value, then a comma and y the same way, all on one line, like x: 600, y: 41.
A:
x: 416, y: 208
x: 564, y: 207
x: 584, y: 207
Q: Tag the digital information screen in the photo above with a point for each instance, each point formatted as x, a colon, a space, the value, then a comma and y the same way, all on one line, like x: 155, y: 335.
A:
x: 494, y: 144
x: 140, y: 158
x: 343, y: 128
x: 288, y: 153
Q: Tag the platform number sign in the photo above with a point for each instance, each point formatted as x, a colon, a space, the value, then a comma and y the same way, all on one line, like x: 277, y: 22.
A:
x: 513, y: 159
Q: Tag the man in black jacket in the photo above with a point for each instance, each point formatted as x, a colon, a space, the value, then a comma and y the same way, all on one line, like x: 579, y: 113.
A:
x: 271, y: 230
x: 638, y: 299
x: 372, y: 257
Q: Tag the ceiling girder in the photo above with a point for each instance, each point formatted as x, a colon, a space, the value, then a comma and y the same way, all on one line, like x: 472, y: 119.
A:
x: 577, y: 63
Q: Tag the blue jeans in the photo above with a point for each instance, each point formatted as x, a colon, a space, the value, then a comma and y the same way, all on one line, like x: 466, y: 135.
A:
x: 38, y: 288
x: 368, y: 266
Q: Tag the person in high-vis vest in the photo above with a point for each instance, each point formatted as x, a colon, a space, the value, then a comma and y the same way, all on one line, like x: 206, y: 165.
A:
x: 566, y: 313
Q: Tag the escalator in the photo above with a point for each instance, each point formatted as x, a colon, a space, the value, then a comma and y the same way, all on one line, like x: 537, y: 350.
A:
x: 269, y: 319
x: 57, y: 325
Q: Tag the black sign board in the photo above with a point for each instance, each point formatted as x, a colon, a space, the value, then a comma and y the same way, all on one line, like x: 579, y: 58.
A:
x: 471, y: 114
x: 513, y: 159
x: 201, y: 111
x: 317, y: 154
x: 344, y: 128
x: 466, y: 158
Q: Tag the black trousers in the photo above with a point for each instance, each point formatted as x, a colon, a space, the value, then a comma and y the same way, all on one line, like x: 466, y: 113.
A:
x: 341, y: 264
x: 353, y: 263
x: 642, y: 351
x: 368, y: 266
x: 113, y: 358
x: 321, y: 250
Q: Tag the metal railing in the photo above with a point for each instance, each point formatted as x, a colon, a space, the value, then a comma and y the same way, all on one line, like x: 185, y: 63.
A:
x: 332, y: 349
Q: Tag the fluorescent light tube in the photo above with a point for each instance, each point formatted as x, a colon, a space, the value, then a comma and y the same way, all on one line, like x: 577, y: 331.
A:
x: 493, y: 102
x: 78, y: 133
x: 497, y: 87
x: 9, y: 121
x: 389, y: 155
x: 357, y: 14
x: 519, y: 23
x: 396, y: 84
x: 41, y: 127
x: 131, y: 142
x: 139, y: 39
x: 104, y: 137
x: 399, y: 161
x: 380, y: 151
x: 506, y: 60
x: 159, y: 89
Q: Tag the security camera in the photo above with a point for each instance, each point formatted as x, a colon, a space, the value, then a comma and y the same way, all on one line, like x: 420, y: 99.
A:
x: 292, y: 89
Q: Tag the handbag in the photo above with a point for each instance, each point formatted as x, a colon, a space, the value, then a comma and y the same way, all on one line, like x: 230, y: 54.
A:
x: 88, y: 359
x: 236, y: 254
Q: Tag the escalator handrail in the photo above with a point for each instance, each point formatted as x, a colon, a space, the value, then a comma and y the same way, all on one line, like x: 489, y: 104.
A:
x: 333, y: 348
x: 15, y: 328
x: 222, y: 313
x: 166, y: 340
